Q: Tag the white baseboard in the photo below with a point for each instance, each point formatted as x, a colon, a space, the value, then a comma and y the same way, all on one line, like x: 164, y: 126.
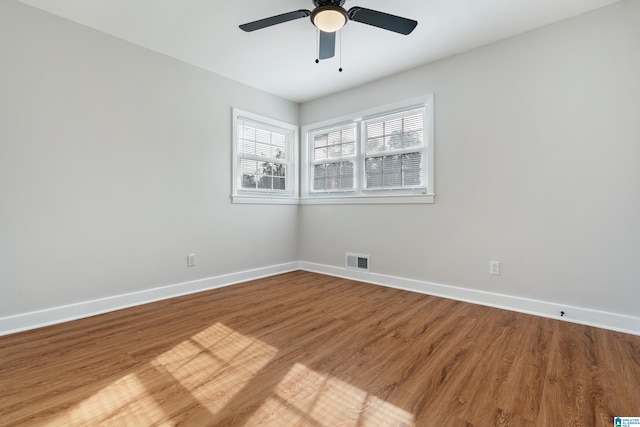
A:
x: 51, y: 316
x: 54, y: 315
x: 600, y: 319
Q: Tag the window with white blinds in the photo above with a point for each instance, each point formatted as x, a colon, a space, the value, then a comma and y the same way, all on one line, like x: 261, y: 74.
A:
x: 385, y: 152
x: 334, y: 156
x: 264, y: 157
x: 394, y: 155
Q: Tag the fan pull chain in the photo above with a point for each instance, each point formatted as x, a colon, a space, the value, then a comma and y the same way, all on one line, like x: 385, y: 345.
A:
x: 340, y: 48
x: 317, y: 46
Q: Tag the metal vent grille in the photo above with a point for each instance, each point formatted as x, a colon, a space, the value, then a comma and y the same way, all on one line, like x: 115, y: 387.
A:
x: 357, y: 262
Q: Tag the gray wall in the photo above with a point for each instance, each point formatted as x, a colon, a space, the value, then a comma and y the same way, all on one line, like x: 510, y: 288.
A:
x: 115, y: 162
x: 537, y: 166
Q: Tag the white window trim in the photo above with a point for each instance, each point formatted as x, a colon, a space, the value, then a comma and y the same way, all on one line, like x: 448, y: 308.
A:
x: 242, y: 195
x: 365, y: 197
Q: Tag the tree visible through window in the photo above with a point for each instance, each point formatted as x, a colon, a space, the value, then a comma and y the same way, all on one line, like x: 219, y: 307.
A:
x: 264, y: 175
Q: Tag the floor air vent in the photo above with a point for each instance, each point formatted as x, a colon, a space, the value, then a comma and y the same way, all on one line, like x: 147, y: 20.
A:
x: 357, y: 262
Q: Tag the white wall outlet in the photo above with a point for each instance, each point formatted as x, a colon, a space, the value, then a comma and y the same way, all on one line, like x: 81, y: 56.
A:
x: 494, y: 267
x: 191, y: 260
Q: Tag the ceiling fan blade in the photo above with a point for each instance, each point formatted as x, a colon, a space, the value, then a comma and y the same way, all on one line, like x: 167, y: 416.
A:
x: 382, y: 20
x: 327, y: 45
x: 273, y: 20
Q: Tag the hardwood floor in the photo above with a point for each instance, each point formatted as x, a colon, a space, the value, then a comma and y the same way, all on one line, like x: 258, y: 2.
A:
x: 312, y: 350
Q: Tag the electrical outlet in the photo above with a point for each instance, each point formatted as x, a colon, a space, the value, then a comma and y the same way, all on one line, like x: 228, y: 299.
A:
x: 494, y: 267
x: 191, y: 260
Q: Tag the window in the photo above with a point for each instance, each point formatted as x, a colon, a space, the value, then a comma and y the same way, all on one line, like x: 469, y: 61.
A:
x: 264, y: 153
x: 334, y: 157
x: 394, y: 151
x: 381, y: 156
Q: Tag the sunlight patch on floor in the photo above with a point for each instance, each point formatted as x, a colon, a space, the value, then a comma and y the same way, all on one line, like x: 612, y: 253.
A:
x: 307, y: 397
x: 215, y: 364
x: 208, y: 372
x: 124, y: 402
x: 209, y: 368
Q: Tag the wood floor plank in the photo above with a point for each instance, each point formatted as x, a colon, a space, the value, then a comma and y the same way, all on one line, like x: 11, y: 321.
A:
x: 303, y: 349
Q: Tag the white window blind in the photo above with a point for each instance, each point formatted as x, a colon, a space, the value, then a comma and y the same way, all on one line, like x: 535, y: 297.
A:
x: 334, y: 153
x: 394, y: 151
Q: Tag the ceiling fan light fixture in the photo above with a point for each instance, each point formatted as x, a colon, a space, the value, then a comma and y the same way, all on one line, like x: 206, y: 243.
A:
x: 329, y: 18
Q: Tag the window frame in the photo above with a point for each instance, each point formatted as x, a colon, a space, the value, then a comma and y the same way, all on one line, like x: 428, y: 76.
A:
x: 360, y: 194
x: 241, y: 194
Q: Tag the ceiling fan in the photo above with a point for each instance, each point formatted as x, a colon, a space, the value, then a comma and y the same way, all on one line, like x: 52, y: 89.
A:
x: 329, y: 16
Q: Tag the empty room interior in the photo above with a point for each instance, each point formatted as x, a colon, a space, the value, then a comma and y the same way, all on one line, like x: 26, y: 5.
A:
x: 429, y: 216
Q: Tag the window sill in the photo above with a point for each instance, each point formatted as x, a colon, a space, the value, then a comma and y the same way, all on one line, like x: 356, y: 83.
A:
x: 262, y: 200
x: 336, y: 200
x: 368, y: 200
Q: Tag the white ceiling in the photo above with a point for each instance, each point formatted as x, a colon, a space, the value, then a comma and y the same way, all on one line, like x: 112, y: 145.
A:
x: 281, y: 59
